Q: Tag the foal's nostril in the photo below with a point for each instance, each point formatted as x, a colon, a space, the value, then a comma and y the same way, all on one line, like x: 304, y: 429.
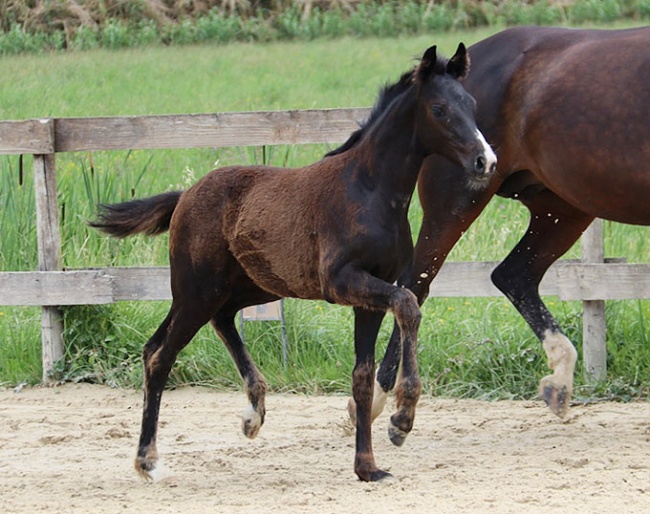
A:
x: 479, y: 165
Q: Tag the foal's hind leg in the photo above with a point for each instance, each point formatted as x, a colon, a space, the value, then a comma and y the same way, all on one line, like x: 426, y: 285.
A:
x: 159, y: 355
x: 554, y: 227
x: 254, y: 382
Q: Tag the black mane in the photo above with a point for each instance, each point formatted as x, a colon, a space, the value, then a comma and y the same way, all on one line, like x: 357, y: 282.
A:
x: 386, y: 95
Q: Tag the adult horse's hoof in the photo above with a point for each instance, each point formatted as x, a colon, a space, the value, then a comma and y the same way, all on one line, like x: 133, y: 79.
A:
x: 251, y: 423
x: 556, y: 397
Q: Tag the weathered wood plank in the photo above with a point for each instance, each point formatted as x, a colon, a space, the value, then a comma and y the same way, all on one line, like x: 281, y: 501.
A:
x: 144, y: 283
x: 49, y: 288
x: 49, y: 255
x: 472, y: 279
x: 464, y: 279
x: 594, y: 324
x: 27, y: 136
x: 565, y: 279
x: 604, y: 282
x: 207, y: 130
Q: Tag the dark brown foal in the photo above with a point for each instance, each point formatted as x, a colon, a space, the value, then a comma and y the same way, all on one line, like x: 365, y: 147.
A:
x: 335, y: 230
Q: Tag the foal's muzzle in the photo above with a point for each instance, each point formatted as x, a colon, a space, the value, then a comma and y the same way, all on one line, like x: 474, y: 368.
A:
x: 484, y: 166
x: 485, y: 163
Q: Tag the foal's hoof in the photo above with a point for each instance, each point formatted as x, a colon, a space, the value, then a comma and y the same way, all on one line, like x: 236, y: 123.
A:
x: 376, y: 475
x: 145, y: 467
x: 396, y: 435
x: 399, y: 427
x: 556, y: 397
x: 380, y: 476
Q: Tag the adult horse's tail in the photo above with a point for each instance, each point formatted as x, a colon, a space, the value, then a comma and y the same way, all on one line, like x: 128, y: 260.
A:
x: 149, y: 216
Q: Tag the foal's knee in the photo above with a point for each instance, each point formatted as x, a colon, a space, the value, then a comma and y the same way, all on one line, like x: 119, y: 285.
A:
x: 406, y: 309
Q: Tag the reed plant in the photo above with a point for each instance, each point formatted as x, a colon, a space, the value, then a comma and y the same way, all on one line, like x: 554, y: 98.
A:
x: 478, y: 347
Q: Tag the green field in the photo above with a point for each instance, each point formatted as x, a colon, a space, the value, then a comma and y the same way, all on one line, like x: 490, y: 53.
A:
x: 469, y: 347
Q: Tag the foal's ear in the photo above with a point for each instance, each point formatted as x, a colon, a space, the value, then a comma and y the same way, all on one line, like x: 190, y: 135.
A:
x: 427, y: 64
x: 458, y: 65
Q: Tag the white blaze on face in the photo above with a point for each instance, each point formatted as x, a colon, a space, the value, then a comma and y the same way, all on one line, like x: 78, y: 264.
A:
x: 490, y: 156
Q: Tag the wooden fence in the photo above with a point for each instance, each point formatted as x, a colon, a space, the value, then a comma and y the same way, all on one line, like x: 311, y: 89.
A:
x: 591, y: 280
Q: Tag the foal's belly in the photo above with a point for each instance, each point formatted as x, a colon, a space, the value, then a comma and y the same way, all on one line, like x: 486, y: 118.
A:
x: 286, y: 270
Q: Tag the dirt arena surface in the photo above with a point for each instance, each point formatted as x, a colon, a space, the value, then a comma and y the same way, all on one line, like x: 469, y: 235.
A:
x: 70, y: 449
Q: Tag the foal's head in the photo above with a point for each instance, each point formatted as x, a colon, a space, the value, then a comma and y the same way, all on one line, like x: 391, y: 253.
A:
x: 445, y: 123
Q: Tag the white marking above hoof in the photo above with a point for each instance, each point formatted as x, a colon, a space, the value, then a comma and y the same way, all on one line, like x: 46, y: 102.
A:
x: 251, y: 422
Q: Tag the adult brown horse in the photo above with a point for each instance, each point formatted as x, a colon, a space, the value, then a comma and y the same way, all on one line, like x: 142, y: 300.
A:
x: 568, y: 112
x: 336, y: 230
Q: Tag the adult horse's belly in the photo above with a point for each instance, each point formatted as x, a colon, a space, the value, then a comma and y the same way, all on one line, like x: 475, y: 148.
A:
x: 607, y: 177
x: 627, y: 202
x: 587, y: 135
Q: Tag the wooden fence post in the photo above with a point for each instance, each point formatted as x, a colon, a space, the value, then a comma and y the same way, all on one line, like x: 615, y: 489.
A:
x: 594, y: 325
x: 49, y: 255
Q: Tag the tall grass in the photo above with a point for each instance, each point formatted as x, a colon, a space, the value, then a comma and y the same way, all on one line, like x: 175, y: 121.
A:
x: 469, y: 347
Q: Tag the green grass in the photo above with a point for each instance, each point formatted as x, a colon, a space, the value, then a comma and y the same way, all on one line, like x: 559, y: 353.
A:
x: 469, y: 347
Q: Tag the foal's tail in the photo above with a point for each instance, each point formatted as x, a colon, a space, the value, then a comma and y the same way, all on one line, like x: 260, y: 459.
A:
x: 150, y: 216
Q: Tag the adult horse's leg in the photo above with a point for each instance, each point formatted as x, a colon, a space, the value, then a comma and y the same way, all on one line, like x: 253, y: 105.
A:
x: 254, y: 382
x: 554, y: 227
x: 159, y: 355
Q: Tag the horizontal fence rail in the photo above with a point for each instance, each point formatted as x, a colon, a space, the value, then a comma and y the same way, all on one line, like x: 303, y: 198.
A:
x: 217, y: 130
x: 591, y: 280
x: 566, y: 279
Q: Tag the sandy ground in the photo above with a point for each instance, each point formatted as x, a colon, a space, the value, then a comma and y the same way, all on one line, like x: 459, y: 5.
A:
x: 70, y: 449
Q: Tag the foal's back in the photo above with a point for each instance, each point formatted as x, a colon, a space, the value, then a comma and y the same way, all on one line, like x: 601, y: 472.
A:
x: 266, y: 222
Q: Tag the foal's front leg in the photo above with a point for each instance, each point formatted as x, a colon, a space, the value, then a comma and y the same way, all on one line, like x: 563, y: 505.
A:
x: 360, y: 289
x: 366, y: 328
x: 407, y: 393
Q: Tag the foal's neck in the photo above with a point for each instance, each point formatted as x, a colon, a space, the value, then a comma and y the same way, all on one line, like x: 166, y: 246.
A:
x: 393, y: 152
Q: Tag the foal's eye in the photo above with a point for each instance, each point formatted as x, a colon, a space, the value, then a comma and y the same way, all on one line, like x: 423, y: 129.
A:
x: 437, y: 111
